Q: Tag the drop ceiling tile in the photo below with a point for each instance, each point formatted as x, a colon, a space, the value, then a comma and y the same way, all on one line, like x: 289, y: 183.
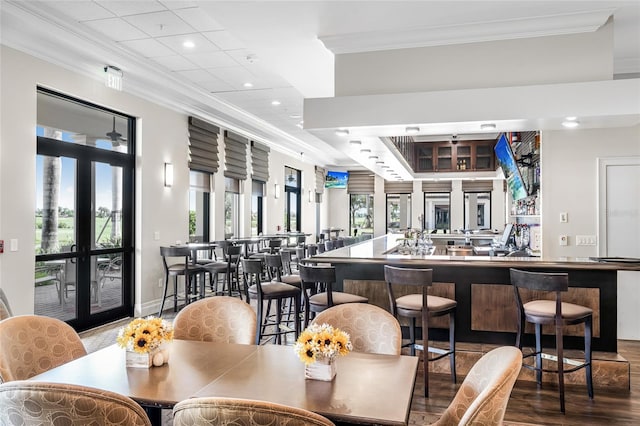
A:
x: 242, y: 56
x: 149, y: 48
x: 199, y: 19
x: 124, y: 8
x: 160, y: 24
x: 81, y: 11
x: 211, y: 60
x: 116, y: 29
x: 235, y: 76
x: 178, y: 4
x: 175, y: 63
x: 175, y: 43
x: 214, y: 85
x: 196, y: 76
x: 224, y: 40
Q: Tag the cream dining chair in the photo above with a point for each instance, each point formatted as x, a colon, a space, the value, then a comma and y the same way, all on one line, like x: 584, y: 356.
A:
x: 5, y: 309
x: 223, y: 319
x: 38, y: 403
x: 242, y: 412
x: 371, y: 328
x: 32, y: 344
x: 483, y: 396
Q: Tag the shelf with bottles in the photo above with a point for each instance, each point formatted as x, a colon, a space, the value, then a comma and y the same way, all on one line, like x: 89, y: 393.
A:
x: 526, y: 207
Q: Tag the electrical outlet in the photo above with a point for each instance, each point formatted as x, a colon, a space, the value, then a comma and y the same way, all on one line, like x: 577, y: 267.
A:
x: 564, y: 240
x: 156, y: 236
x: 585, y: 240
x: 13, y: 244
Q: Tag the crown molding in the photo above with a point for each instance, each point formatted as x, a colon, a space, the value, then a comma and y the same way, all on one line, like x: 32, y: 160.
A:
x: 560, y: 24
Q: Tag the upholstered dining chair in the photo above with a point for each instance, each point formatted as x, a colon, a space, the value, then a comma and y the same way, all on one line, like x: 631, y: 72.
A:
x: 5, y: 308
x: 242, y: 412
x: 484, y: 394
x: 38, y: 403
x: 371, y: 328
x: 217, y: 319
x: 32, y: 344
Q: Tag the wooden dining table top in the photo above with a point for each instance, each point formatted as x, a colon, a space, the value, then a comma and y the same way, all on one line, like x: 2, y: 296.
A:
x: 368, y: 389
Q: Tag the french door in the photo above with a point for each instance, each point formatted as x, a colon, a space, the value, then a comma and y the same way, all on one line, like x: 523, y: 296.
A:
x: 84, y: 214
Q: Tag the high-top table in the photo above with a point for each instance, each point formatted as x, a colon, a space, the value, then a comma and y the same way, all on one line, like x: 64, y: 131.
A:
x: 368, y: 389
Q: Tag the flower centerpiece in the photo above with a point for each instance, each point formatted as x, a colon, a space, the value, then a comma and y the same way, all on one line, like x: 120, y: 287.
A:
x: 318, y: 346
x: 145, y: 340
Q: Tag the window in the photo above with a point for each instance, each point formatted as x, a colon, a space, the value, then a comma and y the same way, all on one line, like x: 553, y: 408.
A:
x: 361, y: 214
x: 477, y: 210
x: 398, y: 212
x: 231, y: 207
x: 199, y: 186
x: 437, y: 207
x: 292, y: 199
x: 257, y: 205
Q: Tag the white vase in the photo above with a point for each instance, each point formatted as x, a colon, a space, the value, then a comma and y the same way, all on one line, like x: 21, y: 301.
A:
x: 323, y: 369
x: 157, y: 357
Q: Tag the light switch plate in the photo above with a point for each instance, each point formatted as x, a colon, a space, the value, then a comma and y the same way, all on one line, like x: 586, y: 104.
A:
x: 564, y: 217
x: 585, y: 240
x: 13, y: 244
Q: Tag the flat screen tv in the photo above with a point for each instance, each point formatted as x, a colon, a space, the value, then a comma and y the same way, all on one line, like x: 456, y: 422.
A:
x: 507, y: 162
x: 336, y: 179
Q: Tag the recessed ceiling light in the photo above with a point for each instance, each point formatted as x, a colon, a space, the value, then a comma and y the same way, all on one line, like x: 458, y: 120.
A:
x: 275, y: 103
x: 355, y: 142
x: 412, y: 129
x: 379, y: 162
x: 299, y: 125
x: 384, y: 166
x: 248, y: 84
x: 342, y: 132
x: 571, y: 124
x: 571, y: 118
x: 487, y: 126
x: 373, y: 157
x: 365, y: 150
x: 188, y: 44
x: 295, y: 116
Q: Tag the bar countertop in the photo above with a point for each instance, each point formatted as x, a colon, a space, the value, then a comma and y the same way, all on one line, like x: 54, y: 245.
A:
x: 379, y: 250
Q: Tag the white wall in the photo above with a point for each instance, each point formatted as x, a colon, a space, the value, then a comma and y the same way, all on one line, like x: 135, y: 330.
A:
x: 538, y: 60
x: 568, y: 182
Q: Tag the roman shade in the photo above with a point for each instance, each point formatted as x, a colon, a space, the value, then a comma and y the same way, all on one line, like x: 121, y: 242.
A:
x: 235, y: 155
x: 392, y: 187
x: 320, y: 176
x: 438, y: 186
x: 203, y: 145
x: 477, y: 185
x: 259, y: 162
x: 360, y: 182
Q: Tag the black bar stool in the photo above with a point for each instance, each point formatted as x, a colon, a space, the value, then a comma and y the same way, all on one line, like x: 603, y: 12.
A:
x: 268, y: 291
x: 422, y: 306
x: 186, y: 268
x: 553, y: 312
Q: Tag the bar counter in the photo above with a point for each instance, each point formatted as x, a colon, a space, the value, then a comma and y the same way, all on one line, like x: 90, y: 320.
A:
x: 481, y: 285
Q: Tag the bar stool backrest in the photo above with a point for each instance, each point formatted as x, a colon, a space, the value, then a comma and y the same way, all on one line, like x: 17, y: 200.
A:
x: 273, y: 262
x: 312, y: 249
x: 406, y: 276
x: 285, y: 259
x: 318, y: 279
x: 169, y: 252
x: 541, y: 281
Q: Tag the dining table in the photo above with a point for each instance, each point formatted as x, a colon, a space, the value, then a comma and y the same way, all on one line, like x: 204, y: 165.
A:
x: 367, y: 389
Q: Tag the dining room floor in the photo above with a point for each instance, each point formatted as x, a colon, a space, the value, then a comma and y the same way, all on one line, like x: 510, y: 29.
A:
x: 528, y: 404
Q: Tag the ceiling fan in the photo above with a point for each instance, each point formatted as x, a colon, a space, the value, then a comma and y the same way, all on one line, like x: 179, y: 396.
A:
x: 114, y: 135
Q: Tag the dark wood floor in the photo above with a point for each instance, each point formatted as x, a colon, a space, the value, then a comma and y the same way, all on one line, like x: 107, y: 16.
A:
x: 530, y: 405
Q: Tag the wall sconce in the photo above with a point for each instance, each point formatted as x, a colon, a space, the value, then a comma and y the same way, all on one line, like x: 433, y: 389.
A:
x: 168, y: 175
x: 276, y: 191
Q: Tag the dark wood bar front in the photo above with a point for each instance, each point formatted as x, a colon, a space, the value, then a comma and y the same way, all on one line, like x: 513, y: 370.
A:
x: 481, y: 286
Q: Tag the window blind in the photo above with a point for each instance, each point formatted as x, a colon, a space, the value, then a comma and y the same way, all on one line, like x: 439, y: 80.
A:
x: 235, y: 156
x: 477, y: 185
x: 259, y: 162
x: 360, y: 182
x: 439, y: 186
x: 394, y: 187
x: 320, y: 177
x: 203, y: 145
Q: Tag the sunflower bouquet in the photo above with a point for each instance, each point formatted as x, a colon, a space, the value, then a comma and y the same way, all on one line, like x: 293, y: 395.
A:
x: 321, y: 341
x: 144, y: 335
